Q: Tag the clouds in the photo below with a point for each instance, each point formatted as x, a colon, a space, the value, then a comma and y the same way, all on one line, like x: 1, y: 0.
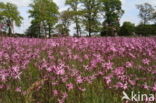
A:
x: 25, y: 3
x: 19, y: 3
x: 60, y: 3
x: 131, y: 12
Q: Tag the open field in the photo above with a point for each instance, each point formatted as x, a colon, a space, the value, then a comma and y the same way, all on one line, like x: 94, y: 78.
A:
x: 76, y: 70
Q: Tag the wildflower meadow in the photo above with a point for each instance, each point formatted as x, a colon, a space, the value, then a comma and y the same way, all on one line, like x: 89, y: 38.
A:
x: 76, y: 70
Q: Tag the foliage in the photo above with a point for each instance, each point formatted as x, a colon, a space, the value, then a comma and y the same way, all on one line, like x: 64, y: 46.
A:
x: 127, y: 29
x: 146, y: 30
x: 112, y: 12
x: 33, y: 30
x: 109, y: 31
x: 90, y: 15
x: 65, y: 21
x: 10, y: 15
x: 45, y: 13
x: 76, y: 14
x: 154, y: 17
x: 146, y: 12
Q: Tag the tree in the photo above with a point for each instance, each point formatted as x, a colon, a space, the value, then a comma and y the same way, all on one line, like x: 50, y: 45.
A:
x: 76, y: 14
x: 10, y: 15
x: 33, y: 30
x: 90, y: 14
x: 63, y: 26
x: 45, y: 13
x: 112, y: 12
x: 146, y: 30
x: 154, y: 16
x: 145, y: 12
x: 127, y: 29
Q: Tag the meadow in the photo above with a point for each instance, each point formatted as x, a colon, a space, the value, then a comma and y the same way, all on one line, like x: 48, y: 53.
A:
x: 76, y: 70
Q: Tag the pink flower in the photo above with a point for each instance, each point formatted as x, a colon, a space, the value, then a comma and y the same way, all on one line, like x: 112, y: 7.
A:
x: 49, y: 69
x: 60, y: 72
x: 154, y: 88
x: 15, y: 69
x: 60, y: 100
x: 65, y: 95
x: 145, y: 86
x: 107, y: 66
x: 79, y: 79
x: 121, y: 85
x: 64, y: 79
x: 86, y: 56
x: 54, y: 83
x: 119, y: 71
x: 128, y: 65
x: 60, y: 69
x: 69, y: 86
x: 146, y: 61
x: 82, y: 89
x: 108, y: 79
x: 55, y: 92
x: 132, y: 82
x: 112, y: 48
x: 1, y: 86
x: 4, y: 77
x: 18, y: 89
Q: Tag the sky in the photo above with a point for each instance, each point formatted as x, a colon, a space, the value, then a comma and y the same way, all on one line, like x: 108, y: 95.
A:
x: 129, y: 6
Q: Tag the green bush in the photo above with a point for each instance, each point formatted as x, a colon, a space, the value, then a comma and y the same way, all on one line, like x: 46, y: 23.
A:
x: 127, y: 29
x: 109, y: 31
x: 146, y: 30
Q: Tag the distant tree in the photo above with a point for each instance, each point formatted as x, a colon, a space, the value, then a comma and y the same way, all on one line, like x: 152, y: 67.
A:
x: 127, y: 29
x: 45, y: 14
x: 146, y: 30
x: 61, y: 29
x: 75, y: 13
x: 33, y: 30
x: 90, y: 15
x: 145, y: 12
x: 154, y: 16
x: 2, y: 6
x: 10, y: 15
x: 112, y: 12
x: 64, y: 22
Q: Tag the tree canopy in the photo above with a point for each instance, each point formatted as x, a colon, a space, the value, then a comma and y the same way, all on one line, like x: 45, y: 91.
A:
x: 45, y: 13
x: 85, y: 17
x: 146, y: 11
x: 112, y: 12
x: 10, y: 15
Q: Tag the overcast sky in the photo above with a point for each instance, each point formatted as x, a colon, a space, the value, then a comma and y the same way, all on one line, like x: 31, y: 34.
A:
x: 129, y: 6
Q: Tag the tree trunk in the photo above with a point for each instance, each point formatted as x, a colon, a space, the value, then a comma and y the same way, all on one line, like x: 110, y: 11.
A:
x: 89, y: 23
x: 9, y: 24
x: 77, y: 26
x: 89, y: 28
x: 77, y: 30
x: 10, y: 30
x: 49, y: 30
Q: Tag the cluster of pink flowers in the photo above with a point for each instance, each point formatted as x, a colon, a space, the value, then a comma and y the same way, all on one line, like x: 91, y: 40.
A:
x: 68, y: 64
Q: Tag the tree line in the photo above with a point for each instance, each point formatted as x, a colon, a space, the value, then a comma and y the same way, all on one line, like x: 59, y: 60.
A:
x: 89, y: 17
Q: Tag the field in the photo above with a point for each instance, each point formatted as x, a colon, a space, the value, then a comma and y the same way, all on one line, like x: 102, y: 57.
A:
x: 76, y: 70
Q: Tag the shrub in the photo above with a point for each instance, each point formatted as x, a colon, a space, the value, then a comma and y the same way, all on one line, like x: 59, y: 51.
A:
x: 127, y: 29
x: 146, y: 30
x: 109, y: 31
